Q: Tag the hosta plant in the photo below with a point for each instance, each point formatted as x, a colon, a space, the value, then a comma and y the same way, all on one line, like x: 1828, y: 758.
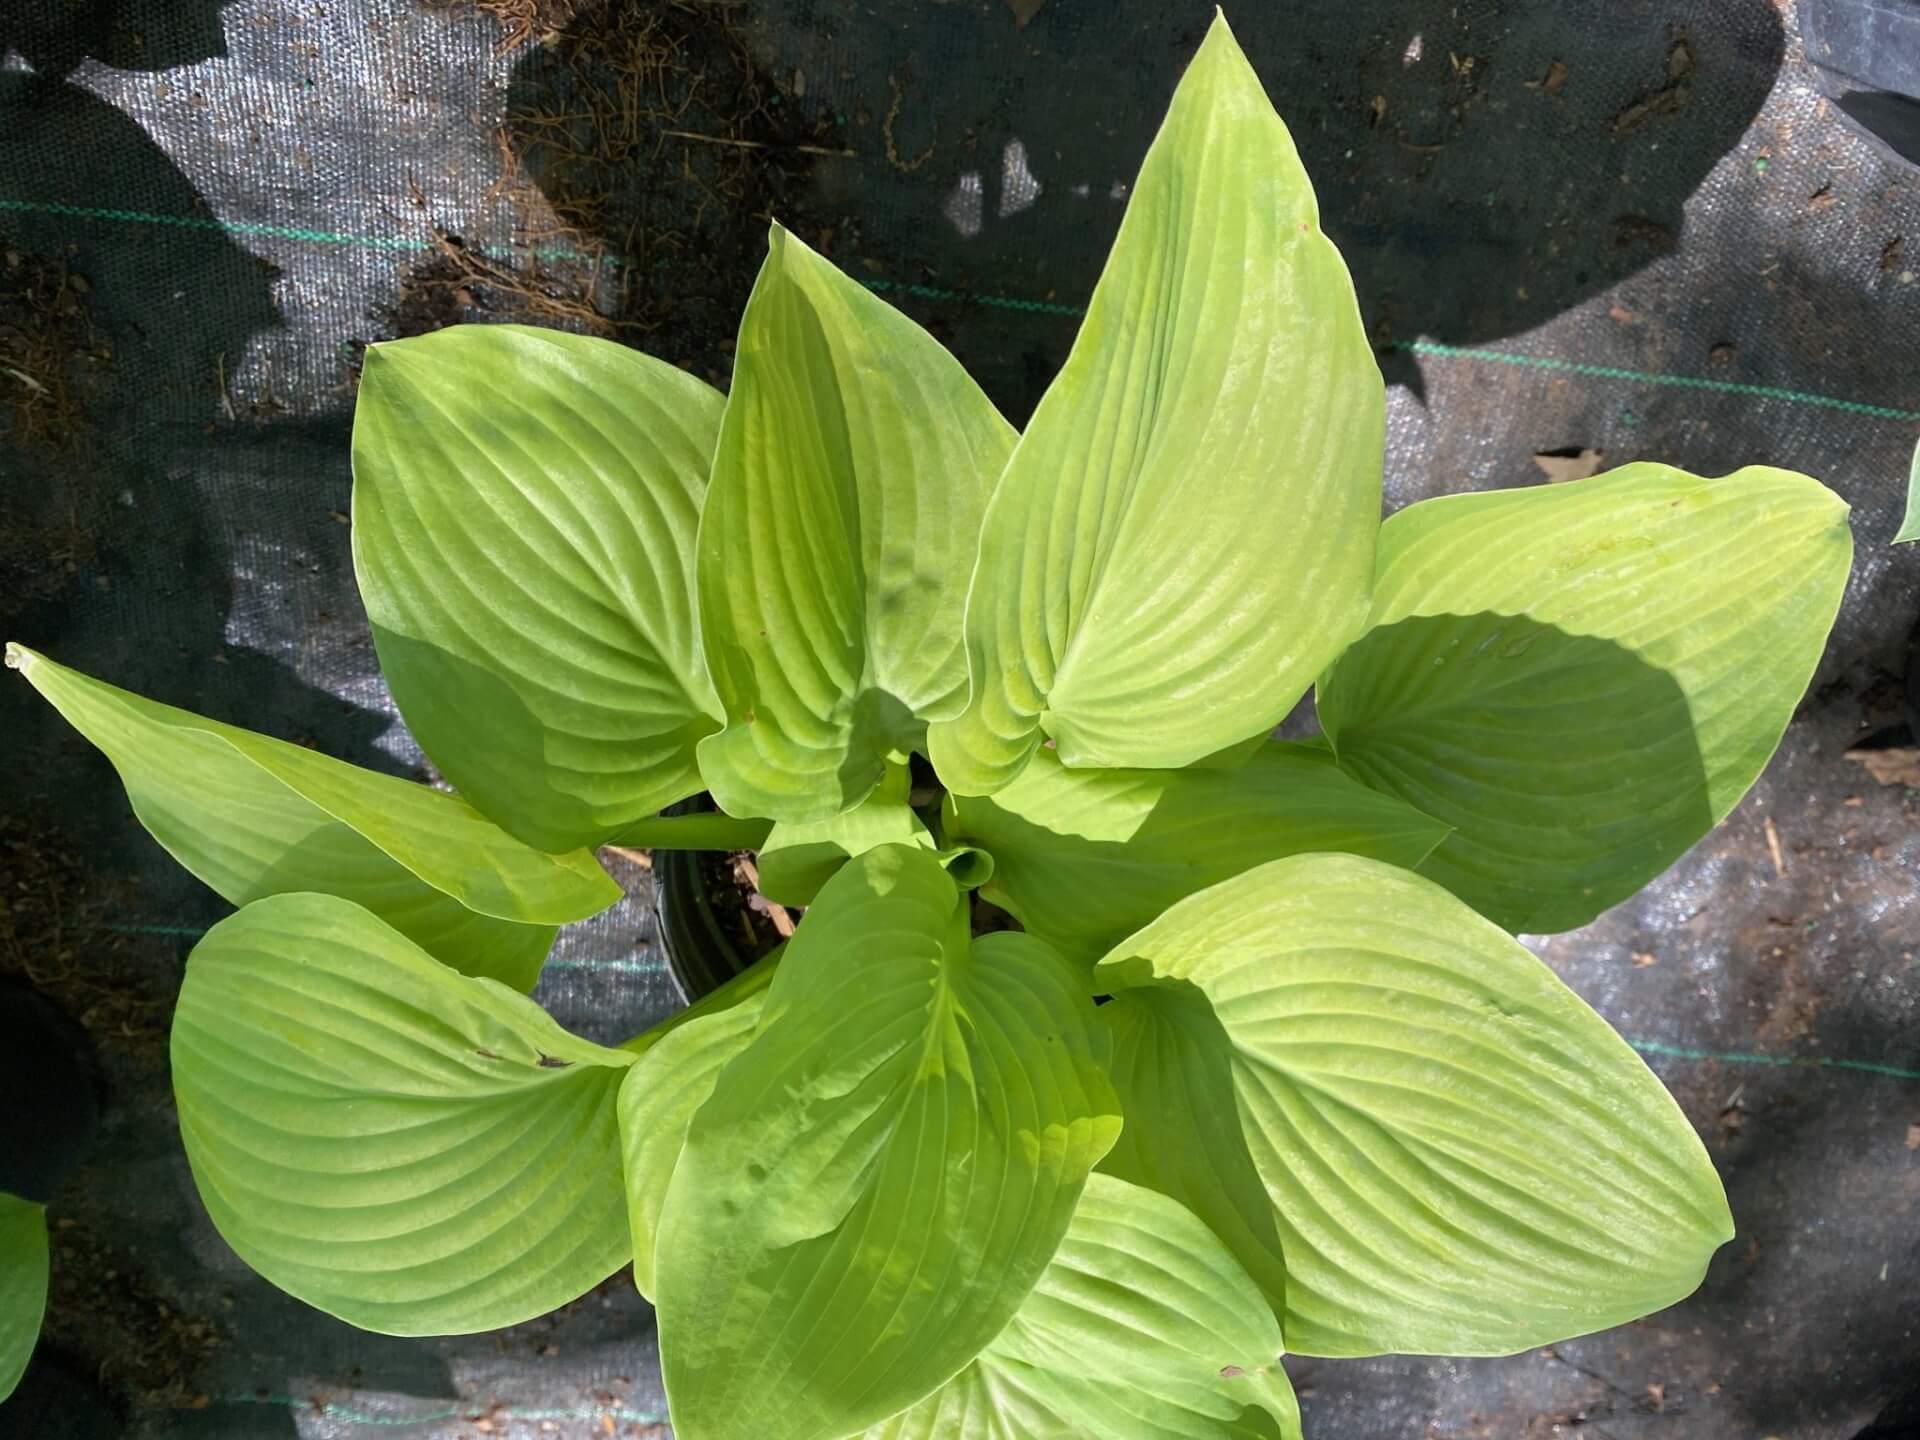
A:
x: 1265, y: 1065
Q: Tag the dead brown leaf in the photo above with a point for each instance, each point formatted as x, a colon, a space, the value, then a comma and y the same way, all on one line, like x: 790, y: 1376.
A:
x: 1621, y: 315
x: 1913, y: 1137
x: 1897, y: 765
x: 1658, y: 1395
x: 1025, y: 10
x: 1822, y: 199
x: 1641, y: 960
x: 1572, y: 463
x: 1556, y: 79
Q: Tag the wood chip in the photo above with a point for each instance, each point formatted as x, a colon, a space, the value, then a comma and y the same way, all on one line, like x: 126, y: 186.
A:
x: 1572, y: 463
x: 1658, y: 1395
x: 1773, y: 848
x: 1621, y: 315
x: 1556, y: 79
x: 1822, y: 199
x: 642, y: 858
x: 1896, y: 765
x: 1641, y: 960
x: 1913, y: 1137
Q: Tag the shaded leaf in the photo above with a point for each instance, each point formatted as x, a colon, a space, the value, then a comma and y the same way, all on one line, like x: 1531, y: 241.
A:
x: 1458, y: 1156
x: 1184, y: 536
x: 411, y: 1150
x: 854, y: 462
x: 882, y: 1174
x: 23, y: 1285
x: 1910, y: 522
x: 1583, y: 679
x: 251, y: 817
x: 524, y: 510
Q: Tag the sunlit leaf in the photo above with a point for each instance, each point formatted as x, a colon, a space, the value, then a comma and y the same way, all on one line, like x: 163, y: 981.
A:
x: 524, y: 510
x: 1184, y: 536
x: 801, y: 856
x: 854, y: 463
x: 1457, y: 1156
x: 1144, y: 1326
x: 253, y: 816
x: 1085, y: 857
x: 679, y: 1060
x: 411, y: 1150
x: 883, y: 1173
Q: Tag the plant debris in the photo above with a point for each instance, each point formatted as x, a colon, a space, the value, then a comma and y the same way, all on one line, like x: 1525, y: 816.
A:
x: 1575, y: 462
x: 1669, y: 98
x: 1895, y: 765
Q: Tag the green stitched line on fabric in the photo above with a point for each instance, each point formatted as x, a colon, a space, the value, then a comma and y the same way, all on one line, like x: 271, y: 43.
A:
x: 331, y: 1411
x: 246, y: 227
x: 1435, y: 348
x: 1644, y: 377
x: 1797, y: 1062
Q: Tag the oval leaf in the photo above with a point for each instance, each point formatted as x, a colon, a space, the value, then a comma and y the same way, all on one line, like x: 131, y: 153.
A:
x: 252, y: 816
x: 1143, y: 1326
x: 1085, y: 857
x: 524, y: 510
x: 1458, y: 1156
x: 855, y: 453
x: 882, y: 1174
x: 1584, y: 679
x: 1184, y: 536
x: 23, y: 1285
x: 414, y: 1151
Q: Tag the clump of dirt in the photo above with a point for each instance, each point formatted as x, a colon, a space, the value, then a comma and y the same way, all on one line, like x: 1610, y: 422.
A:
x: 51, y: 359
x: 103, y: 1309
x: 52, y: 933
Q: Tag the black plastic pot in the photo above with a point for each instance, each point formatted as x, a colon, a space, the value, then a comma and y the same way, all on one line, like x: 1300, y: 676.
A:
x: 1865, y: 57
x: 701, y: 954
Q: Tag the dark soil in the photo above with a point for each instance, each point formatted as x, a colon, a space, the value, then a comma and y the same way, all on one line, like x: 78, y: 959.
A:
x: 661, y: 145
x: 52, y: 933
x: 745, y: 916
x: 103, y: 1310
x: 51, y: 362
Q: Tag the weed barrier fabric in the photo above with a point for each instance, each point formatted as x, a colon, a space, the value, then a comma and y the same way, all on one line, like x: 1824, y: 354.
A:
x: 1636, y: 230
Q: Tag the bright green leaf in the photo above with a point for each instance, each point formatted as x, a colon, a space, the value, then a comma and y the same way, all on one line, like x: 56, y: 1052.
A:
x: 23, y: 1285
x: 1910, y: 523
x: 524, y: 509
x: 854, y: 463
x: 679, y: 1061
x: 411, y: 1150
x: 1086, y: 857
x: 801, y: 856
x: 1583, y: 679
x: 882, y: 1174
x: 1144, y: 1326
x: 251, y: 817
x: 1459, y: 1157
x: 1184, y: 537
